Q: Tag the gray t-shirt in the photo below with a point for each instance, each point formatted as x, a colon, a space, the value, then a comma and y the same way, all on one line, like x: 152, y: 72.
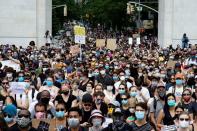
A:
x: 156, y: 106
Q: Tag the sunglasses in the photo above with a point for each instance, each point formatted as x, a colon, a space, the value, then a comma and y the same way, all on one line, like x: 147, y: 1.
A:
x: 5, y: 83
x: 124, y: 98
x: 87, y: 105
x: 121, y: 88
x: 186, y: 94
x: 184, y: 119
x: 26, y: 116
x: 5, y: 115
x: 60, y: 109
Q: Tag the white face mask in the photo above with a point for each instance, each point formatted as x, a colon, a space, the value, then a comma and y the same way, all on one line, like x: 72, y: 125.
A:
x: 102, y: 72
x: 122, y: 78
x: 184, y: 124
x: 109, y: 88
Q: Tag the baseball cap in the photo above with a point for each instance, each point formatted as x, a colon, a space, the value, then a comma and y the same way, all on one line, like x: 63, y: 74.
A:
x: 115, y: 103
x: 87, y: 98
x: 178, y: 75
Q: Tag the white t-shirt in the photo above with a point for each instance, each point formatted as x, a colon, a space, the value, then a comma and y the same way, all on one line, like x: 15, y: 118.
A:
x: 117, y: 84
x: 145, y: 92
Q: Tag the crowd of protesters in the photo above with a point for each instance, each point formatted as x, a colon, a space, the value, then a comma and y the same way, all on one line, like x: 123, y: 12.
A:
x: 133, y: 88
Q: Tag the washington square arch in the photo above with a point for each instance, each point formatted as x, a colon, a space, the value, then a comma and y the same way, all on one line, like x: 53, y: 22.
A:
x: 22, y: 21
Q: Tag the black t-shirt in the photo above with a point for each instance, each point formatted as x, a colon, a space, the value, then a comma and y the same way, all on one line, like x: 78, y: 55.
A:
x: 193, y: 109
x: 103, y: 108
x: 145, y: 127
x: 68, y: 104
x: 14, y: 128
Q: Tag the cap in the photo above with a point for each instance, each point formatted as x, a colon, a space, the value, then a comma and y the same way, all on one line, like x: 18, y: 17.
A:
x: 10, y: 110
x: 179, y: 75
x: 115, y: 103
x: 160, y: 85
x: 117, y: 111
x: 87, y: 98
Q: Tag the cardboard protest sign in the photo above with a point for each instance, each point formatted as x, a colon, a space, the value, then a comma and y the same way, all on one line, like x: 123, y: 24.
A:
x: 111, y: 44
x: 171, y: 64
x: 100, y: 42
x: 54, y: 125
x: 18, y: 87
x: 12, y: 64
x: 74, y: 50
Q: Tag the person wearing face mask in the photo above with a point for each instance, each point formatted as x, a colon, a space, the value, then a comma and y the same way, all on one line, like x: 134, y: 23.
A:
x: 184, y: 122
x: 118, y: 122
x: 109, y: 94
x: 178, y: 110
x: 87, y: 107
x: 123, y: 80
x: 76, y: 91
x: 167, y: 115
x: 125, y: 105
x: 96, y: 120
x: 24, y: 121
x: 133, y: 96
x: 104, y: 78
x: 40, y: 111
x: 10, y: 113
x: 186, y: 101
x: 178, y: 88
x: 140, y: 124
x: 84, y: 81
x: 50, y: 87
x: 89, y: 88
x: 21, y: 77
x: 60, y: 116
x: 157, y: 103
x: 143, y: 93
x: 73, y: 119
x: 99, y: 104
x: 65, y: 96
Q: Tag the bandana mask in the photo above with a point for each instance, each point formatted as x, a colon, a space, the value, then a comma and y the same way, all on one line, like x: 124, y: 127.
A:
x: 23, y: 122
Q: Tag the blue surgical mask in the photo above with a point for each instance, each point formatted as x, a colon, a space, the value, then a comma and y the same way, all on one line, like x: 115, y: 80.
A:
x: 49, y: 83
x: 106, y: 67
x: 96, y: 73
x: 8, y: 120
x: 133, y: 94
x: 20, y: 79
x: 73, y: 122
x: 121, y: 91
x: 139, y: 115
x: 179, y: 82
x: 124, y: 102
x: 115, y: 78
x: 59, y: 114
x: 171, y: 103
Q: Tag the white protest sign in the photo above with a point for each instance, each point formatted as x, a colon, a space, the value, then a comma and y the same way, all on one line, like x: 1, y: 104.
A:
x: 130, y: 41
x: 18, y: 87
x: 79, y: 34
x: 12, y: 64
x: 138, y: 41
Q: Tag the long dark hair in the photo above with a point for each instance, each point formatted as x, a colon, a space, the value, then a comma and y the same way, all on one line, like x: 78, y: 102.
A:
x: 3, y: 124
x: 166, y: 106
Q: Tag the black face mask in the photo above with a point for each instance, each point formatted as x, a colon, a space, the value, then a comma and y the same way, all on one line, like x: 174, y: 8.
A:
x: 45, y: 100
x: 65, y: 92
